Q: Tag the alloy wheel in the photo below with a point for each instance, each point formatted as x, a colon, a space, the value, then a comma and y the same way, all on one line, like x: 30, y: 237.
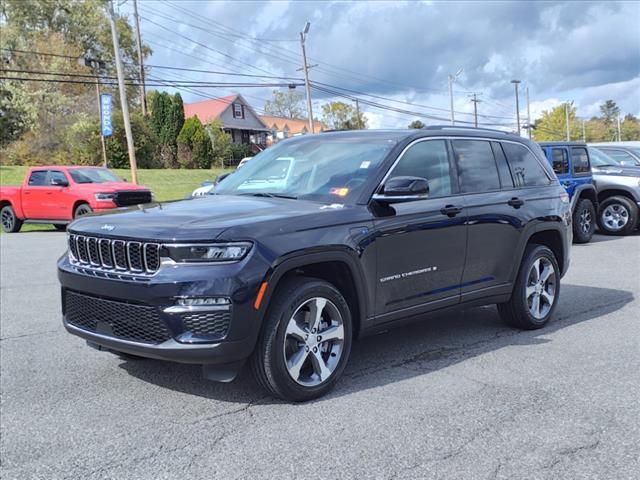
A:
x: 585, y: 221
x: 541, y: 288
x: 615, y: 216
x: 8, y: 219
x: 314, y: 342
x: 82, y: 210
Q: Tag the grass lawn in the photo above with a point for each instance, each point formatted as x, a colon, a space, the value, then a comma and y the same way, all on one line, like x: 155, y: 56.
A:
x: 165, y: 183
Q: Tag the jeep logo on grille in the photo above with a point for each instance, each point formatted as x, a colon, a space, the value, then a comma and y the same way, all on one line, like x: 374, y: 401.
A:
x: 107, y: 227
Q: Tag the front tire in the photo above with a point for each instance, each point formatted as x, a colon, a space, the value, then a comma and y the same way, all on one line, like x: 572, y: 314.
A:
x: 536, y: 292
x: 10, y: 223
x: 618, y: 216
x: 81, y: 210
x: 584, y: 224
x: 305, y: 341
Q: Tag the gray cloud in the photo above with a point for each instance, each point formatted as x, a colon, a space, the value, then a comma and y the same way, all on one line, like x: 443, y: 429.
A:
x: 559, y: 49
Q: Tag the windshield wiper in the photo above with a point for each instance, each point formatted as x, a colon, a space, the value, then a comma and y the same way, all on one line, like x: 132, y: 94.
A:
x: 270, y: 195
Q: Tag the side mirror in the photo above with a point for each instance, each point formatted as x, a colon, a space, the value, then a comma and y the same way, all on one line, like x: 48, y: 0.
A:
x: 59, y: 182
x: 403, y: 189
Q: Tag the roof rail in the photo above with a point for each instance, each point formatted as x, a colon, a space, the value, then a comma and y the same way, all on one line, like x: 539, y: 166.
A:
x: 457, y: 127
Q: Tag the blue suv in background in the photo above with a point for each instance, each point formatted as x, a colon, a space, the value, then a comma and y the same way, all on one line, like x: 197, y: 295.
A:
x: 571, y: 163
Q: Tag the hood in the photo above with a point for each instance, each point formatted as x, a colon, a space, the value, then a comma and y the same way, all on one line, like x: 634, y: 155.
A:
x: 617, y: 170
x: 206, y: 218
x: 111, y: 187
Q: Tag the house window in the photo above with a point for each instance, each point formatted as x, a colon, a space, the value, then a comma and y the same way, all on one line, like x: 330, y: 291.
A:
x: 238, y: 110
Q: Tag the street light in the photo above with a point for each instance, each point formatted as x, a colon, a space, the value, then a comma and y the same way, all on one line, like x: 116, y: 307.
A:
x: 515, y: 83
x: 452, y: 78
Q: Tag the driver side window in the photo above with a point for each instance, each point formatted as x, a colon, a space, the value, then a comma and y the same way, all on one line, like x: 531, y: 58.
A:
x: 427, y: 159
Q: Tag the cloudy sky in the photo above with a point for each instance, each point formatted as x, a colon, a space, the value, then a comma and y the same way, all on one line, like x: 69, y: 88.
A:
x: 399, y: 54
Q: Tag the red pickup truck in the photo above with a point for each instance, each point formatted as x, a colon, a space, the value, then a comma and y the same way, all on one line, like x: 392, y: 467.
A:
x: 57, y: 195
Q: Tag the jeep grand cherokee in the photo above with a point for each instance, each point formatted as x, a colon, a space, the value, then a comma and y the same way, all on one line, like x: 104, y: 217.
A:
x: 362, y: 229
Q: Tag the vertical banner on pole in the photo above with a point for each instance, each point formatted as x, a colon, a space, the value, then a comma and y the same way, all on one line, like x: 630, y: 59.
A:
x: 105, y: 115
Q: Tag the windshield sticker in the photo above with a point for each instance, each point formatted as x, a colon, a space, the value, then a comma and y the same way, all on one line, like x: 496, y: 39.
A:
x: 341, y: 192
x: 365, y: 164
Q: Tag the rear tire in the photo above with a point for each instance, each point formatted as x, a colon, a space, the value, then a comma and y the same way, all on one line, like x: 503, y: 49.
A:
x: 59, y: 227
x: 584, y: 221
x: 536, y: 292
x: 81, y: 210
x: 292, y: 360
x: 10, y: 223
x: 618, y: 216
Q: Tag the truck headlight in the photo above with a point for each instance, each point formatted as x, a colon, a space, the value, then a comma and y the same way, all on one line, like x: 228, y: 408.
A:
x: 205, y: 253
x: 105, y: 196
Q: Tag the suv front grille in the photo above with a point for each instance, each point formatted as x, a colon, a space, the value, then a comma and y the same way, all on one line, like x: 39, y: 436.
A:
x: 118, y: 256
x: 138, y: 323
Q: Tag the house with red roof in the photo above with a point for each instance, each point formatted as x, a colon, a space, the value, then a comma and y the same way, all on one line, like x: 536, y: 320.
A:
x: 281, y: 128
x: 237, y: 117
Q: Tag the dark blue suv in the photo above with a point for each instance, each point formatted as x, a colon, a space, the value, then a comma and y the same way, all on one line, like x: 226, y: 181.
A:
x: 572, y: 166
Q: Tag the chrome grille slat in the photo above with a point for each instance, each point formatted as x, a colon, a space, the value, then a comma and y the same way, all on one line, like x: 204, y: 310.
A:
x: 114, y: 258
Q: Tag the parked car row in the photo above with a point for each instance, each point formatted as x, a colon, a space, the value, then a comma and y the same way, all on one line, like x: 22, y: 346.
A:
x: 60, y: 194
x: 603, y: 190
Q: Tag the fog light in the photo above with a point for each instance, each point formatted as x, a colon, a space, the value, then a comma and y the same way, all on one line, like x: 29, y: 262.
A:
x: 202, y: 301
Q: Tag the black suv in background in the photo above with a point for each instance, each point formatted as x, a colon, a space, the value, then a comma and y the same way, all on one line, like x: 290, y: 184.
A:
x: 317, y: 240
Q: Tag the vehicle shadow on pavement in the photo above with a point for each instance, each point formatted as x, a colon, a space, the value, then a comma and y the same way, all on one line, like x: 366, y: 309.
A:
x: 600, y: 237
x: 431, y: 343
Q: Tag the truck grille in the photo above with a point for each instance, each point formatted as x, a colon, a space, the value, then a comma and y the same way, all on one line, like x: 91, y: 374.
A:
x: 134, y: 197
x: 119, y: 256
x: 138, y: 323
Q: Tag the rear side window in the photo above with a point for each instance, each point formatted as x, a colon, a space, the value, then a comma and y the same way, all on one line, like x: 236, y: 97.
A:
x: 621, y: 156
x: 477, y: 171
x: 427, y: 159
x: 560, y: 161
x: 38, y: 178
x: 526, y: 170
x: 57, y: 174
x: 580, y: 160
x: 503, y: 166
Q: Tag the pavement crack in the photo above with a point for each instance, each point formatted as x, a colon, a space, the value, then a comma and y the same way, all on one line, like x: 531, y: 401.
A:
x: 34, y: 334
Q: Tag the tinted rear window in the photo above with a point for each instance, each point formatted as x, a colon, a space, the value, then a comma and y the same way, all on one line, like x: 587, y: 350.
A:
x: 526, y: 170
x: 580, y: 160
x: 37, y: 178
x: 476, y: 166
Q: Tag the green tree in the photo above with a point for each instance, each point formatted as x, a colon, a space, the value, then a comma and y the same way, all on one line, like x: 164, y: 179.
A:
x: 166, y: 120
x: 416, y: 124
x: 287, y: 104
x: 194, y: 145
x: 553, y: 126
x: 610, y: 112
x: 342, y: 116
x: 630, y: 128
x: 221, y: 142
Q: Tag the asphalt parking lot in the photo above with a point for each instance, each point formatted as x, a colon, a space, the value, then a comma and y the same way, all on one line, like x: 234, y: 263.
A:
x: 457, y: 395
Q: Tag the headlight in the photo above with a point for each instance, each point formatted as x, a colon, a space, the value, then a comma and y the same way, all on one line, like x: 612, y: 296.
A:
x: 200, y: 253
x: 105, y: 196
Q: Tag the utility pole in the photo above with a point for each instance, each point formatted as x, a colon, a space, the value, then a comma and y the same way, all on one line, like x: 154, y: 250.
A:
x: 515, y: 83
x: 123, y: 95
x: 566, y: 115
x: 618, y: 123
x: 358, y: 114
x: 528, y: 114
x: 97, y: 65
x: 584, y: 132
x: 452, y: 78
x: 475, y: 109
x: 143, y: 93
x: 305, y: 68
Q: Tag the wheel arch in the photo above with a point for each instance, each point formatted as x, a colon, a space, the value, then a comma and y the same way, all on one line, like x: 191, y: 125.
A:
x: 551, y: 238
x: 336, y: 266
x: 614, y: 192
x: 586, y: 191
x: 77, y: 203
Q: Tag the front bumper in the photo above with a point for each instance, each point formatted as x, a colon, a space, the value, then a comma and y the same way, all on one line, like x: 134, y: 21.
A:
x: 156, y: 298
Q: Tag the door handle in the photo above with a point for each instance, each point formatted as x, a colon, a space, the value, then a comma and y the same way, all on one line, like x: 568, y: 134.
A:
x: 450, y: 210
x: 516, y: 202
